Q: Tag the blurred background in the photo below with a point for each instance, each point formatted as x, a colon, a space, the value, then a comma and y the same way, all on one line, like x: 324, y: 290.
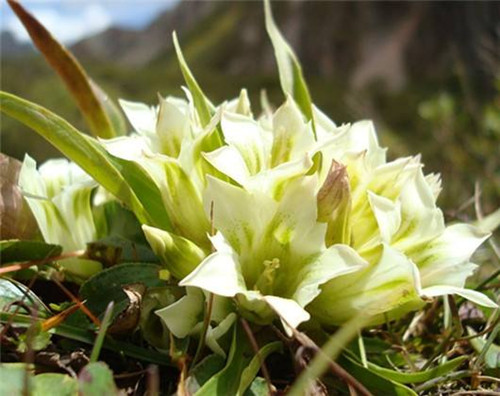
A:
x: 427, y: 73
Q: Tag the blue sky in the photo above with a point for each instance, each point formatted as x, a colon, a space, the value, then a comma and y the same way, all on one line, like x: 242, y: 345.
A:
x: 72, y: 20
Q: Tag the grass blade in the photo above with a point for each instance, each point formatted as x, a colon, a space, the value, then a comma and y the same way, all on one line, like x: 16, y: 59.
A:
x: 106, y: 321
x: 329, y: 352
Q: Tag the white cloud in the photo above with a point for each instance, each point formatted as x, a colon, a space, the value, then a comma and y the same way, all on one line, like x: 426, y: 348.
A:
x: 67, y: 25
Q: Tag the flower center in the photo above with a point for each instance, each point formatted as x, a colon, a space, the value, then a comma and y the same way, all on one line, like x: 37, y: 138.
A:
x: 266, y: 280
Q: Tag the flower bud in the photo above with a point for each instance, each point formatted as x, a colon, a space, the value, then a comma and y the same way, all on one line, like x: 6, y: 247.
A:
x: 334, y: 203
x: 178, y: 254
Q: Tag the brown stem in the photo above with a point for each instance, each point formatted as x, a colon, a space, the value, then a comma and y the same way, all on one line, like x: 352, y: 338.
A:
x: 255, y: 347
x: 335, y: 368
x: 27, y: 264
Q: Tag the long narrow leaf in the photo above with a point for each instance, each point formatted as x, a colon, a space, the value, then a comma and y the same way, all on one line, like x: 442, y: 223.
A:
x: 291, y: 77
x: 422, y: 376
x: 106, y: 321
x: 201, y: 103
x: 93, y: 103
x: 80, y: 148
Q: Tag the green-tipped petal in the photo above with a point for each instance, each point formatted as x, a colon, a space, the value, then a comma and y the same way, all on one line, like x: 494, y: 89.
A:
x: 179, y: 255
x: 229, y: 161
x: 181, y: 198
x: 389, y: 283
x: 247, y: 136
x: 292, y: 135
x: 445, y: 260
x: 61, y: 209
x: 172, y: 126
x: 336, y: 261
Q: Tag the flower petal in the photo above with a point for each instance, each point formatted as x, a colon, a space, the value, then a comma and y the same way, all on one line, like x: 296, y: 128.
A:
x: 229, y: 161
x: 387, y: 214
x: 292, y: 136
x: 472, y: 295
x: 335, y: 261
x: 141, y: 116
x: 182, y: 316
x: 389, y: 283
x: 219, y: 273
x: 291, y: 313
x: 445, y: 260
x: 246, y: 135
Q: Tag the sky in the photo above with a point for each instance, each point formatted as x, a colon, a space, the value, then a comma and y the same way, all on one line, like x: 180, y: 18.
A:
x: 72, y: 20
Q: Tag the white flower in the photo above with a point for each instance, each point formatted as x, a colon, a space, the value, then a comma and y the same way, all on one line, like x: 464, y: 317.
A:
x: 59, y: 196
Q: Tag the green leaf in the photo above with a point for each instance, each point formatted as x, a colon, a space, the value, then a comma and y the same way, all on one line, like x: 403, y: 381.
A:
x: 201, y: 103
x: 291, y: 77
x: 146, y: 190
x: 107, y: 286
x: 203, y: 371
x: 116, y: 250
x: 226, y: 381
x: 12, y: 291
x: 82, y: 149
x: 115, y: 221
x: 258, y: 387
x: 12, y: 378
x: 35, y: 338
x: 249, y: 373
x: 375, y: 383
x: 103, y: 120
x: 422, y: 376
x: 96, y: 379
x: 106, y: 321
x: 46, y: 384
x: 14, y: 250
x: 491, y: 355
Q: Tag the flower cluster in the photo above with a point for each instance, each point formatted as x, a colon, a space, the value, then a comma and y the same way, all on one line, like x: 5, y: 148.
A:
x: 283, y: 215
x: 310, y: 217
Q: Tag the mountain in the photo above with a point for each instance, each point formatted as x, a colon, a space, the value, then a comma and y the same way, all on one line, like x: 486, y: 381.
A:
x: 137, y: 48
x: 12, y: 48
x: 361, y: 42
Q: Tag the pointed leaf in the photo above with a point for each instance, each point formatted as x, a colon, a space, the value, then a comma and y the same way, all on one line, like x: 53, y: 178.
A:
x: 90, y: 99
x: 374, y: 382
x: 249, y: 373
x: 17, y: 251
x: 82, y: 149
x: 421, y: 376
x: 226, y: 381
x: 291, y: 77
x: 201, y: 103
